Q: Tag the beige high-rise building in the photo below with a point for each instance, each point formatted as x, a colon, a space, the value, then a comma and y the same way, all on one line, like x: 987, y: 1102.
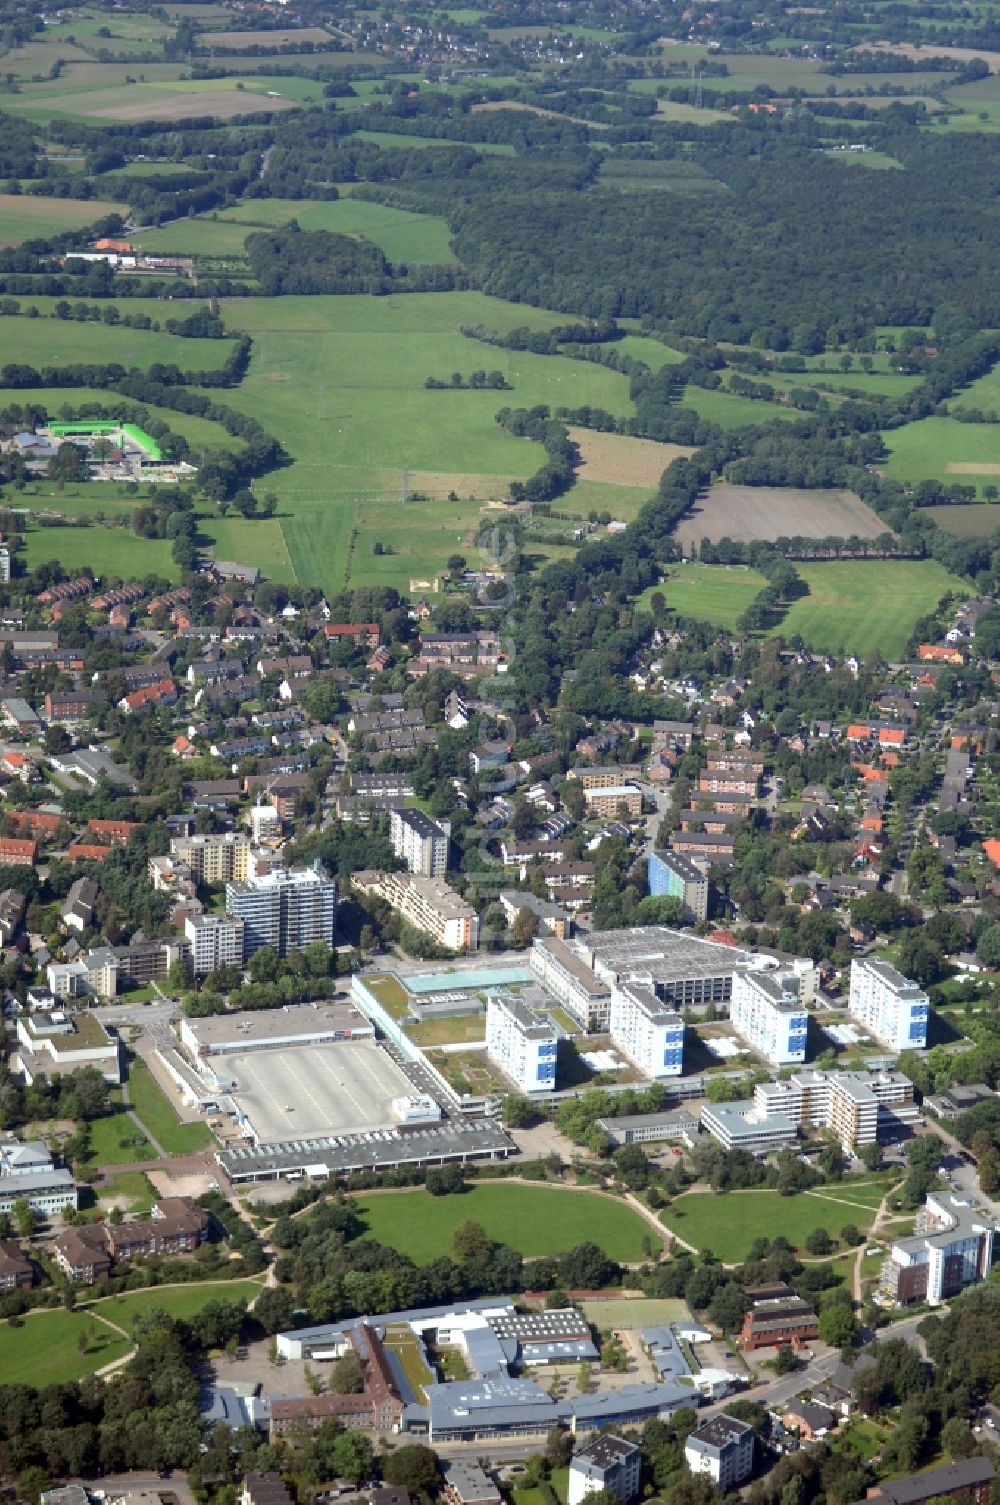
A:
x: 221, y: 858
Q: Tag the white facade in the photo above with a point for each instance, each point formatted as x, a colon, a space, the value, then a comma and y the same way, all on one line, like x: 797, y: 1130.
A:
x: 520, y: 1043
x: 265, y: 823
x: 860, y: 1107
x: 606, y: 1463
x: 216, y: 941
x: 769, y: 1017
x: 890, y: 1006
x: 420, y: 842
x: 722, y: 1448
x: 427, y: 903
x: 651, y: 1035
x: 285, y: 909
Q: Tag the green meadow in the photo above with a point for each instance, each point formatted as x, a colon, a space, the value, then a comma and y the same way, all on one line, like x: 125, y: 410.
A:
x: 942, y: 449
x: 715, y: 593
x: 62, y: 342
x: 857, y: 606
x: 402, y: 236
x: 340, y: 382
x: 24, y: 217
x: 535, y: 1220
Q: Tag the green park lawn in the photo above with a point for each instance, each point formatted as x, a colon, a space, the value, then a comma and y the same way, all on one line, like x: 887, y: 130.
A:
x: 340, y: 382
x: 535, y: 1220
x: 715, y: 593
x: 728, y: 1225
x: 106, y: 1136
x: 183, y: 1301
x: 158, y: 1116
x: 45, y: 1349
x: 856, y: 606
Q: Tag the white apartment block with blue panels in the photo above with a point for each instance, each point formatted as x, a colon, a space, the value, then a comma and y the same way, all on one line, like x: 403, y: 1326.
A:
x: 521, y: 1043
x: 890, y: 1006
x: 645, y: 1030
x: 767, y: 1013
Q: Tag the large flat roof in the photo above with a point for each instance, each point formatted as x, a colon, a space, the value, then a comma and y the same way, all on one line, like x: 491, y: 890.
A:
x: 664, y: 953
x: 293, y: 1094
x: 339, y: 1155
x: 251, y: 1026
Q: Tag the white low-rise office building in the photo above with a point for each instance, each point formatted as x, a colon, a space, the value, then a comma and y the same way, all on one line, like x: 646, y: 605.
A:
x: 741, y: 1127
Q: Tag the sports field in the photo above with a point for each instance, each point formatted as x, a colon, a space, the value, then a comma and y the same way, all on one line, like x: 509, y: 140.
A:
x: 636, y: 1312
x: 535, y: 1220
x: 45, y: 1349
x: 857, y: 606
x: 715, y: 593
x: 306, y: 1092
x: 728, y: 1225
x: 340, y: 382
x: 23, y: 217
x: 120, y: 551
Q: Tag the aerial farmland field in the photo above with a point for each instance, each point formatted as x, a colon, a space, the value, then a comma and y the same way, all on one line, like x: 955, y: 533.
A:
x: 25, y: 217
x: 341, y: 382
x: 769, y: 512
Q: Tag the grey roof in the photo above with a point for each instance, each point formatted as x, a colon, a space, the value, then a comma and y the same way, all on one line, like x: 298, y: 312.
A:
x: 327, y: 1333
x: 680, y: 1119
x: 50, y: 1180
x: 489, y: 1355
x: 665, y: 1352
x: 340, y: 1155
x: 937, y: 1482
x: 681, y: 865
x: 603, y: 1453
x: 633, y: 1400
x: 460, y: 1404
x: 716, y: 1434
x: 468, y: 1480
